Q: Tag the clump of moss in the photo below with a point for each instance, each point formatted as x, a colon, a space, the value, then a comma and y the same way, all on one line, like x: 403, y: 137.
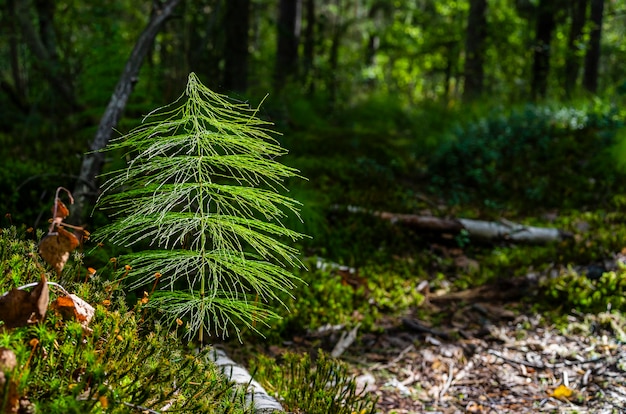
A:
x: 574, y: 291
x: 332, y: 297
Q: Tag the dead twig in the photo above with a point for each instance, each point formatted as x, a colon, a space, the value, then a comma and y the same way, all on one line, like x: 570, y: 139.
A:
x: 546, y: 365
x: 448, y: 382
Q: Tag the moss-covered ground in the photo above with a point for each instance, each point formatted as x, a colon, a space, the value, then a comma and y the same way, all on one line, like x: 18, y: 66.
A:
x: 360, y: 270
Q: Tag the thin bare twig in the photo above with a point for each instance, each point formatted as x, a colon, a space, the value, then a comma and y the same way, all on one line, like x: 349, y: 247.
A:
x: 448, y: 382
x: 546, y: 365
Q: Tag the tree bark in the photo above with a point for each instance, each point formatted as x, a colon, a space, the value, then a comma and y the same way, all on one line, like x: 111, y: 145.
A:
x: 86, y: 187
x: 44, y: 50
x: 541, y: 60
x: 592, y: 58
x: 476, y: 34
x: 237, y: 22
x: 309, y: 47
x: 289, y: 19
x: 16, y: 87
x: 578, y: 12
x: 45, y: 11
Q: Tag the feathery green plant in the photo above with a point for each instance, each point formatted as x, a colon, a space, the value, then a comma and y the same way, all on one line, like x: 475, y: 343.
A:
x: 201, y: 188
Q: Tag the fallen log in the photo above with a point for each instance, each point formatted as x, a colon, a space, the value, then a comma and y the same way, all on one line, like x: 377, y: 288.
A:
x: 476, y: 229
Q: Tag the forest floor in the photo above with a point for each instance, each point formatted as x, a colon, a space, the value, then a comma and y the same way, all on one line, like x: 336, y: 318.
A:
x: 489, y: 353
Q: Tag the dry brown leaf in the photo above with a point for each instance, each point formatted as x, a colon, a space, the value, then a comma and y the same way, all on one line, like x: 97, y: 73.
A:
x: 20, y: 308
x: 65, y: 306
x: 8, y: 362
x: 55, y: 248
x: 60, y: 210
x: 73, y: 306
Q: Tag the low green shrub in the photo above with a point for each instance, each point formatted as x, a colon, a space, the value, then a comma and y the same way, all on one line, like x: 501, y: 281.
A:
x: 575, y: 291
x: 62, y: 370
x: 538, y: 155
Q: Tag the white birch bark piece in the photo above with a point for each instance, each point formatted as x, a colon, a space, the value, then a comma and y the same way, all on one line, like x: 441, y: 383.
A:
x: 256, y: 395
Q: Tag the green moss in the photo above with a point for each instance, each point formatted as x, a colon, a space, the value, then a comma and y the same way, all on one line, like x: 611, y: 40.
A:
x: 64, y: 368
x: 574, y: 291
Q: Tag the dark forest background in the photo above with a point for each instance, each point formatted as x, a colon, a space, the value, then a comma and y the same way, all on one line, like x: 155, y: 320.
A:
x: 502, y: 104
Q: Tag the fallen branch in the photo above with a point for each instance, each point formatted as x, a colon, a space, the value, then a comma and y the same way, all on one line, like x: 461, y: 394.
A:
x: 347, y: 338
x: 546, y: 365
x: 476, y: 229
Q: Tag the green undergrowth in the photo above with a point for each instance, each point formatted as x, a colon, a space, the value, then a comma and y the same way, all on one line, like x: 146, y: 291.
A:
x: 574, y: 291
x: 330, y: 388
x: 126, y: 364
x: 560, y: 269
x: 129, y: 363
x: 601, y: 324
x: 386, y: 278
x: 333, y: 297
x: 538, y: 155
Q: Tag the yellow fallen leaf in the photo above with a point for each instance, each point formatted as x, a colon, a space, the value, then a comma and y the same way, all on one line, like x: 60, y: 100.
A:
x: 562, y: 391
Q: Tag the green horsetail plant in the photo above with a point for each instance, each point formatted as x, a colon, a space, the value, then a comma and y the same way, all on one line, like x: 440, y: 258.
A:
x: 201, y: 192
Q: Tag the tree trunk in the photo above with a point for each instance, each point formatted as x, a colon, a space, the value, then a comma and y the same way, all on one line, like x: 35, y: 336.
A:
x: 476, y: 34
x: 45, y: 11
x: 86, y: 187
x: 237, y: 22
x: 16, y: 87
x: 373, y: 42
x: 592, y: 58
x: 309, y: 47
x: 578, y: 12
x: 289, y: 19
x: 543, y: 37
x: 333, y: 63
x: 44, y: 50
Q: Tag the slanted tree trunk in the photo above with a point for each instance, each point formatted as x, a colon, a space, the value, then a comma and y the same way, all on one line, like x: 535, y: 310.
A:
x: 545, y: 25
x: 86, y: 187
x: 578, y: 12
x: 289, y: 20
x: 476, y: 34
x: 237, y: 22
x: 592, y: 58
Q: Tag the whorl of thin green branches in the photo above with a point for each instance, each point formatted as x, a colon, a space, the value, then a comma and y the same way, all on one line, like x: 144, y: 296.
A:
x: 201, y: 191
